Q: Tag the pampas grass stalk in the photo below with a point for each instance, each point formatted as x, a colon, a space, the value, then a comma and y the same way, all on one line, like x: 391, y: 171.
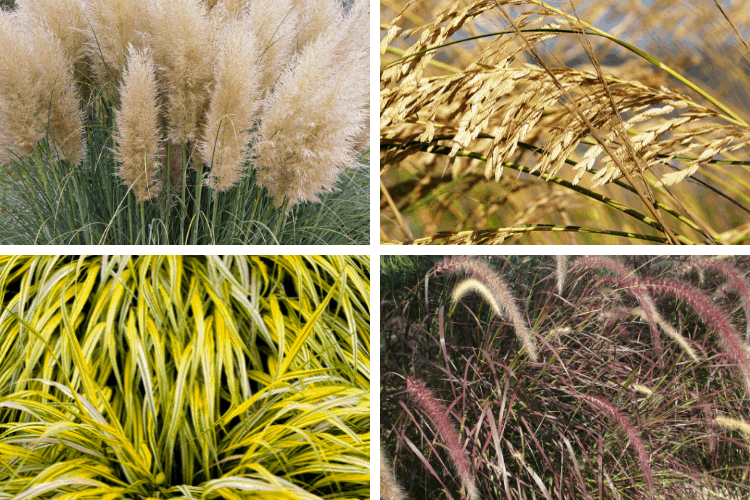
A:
x: 138, y: 132
x: 446, y: 432
x: 233, y: 109
x: 38, y: 96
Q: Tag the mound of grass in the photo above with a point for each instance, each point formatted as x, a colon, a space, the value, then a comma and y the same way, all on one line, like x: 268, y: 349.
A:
x: 184, y: 377
x: 635, y: 383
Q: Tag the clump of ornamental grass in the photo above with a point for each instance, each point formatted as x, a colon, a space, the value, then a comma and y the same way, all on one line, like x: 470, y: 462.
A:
x: 609, y: 136
x: 204, y: 95
x: 602, y: 414
x: 184, y: 377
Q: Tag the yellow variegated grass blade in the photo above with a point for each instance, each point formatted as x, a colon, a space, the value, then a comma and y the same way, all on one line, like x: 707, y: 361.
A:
x: 199, y: 377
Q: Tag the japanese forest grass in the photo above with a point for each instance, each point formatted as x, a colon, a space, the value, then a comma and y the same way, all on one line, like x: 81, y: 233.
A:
x: 184, y: 377
x: 43, y: 202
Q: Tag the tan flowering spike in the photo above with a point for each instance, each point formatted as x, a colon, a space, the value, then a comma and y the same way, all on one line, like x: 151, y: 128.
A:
x: 389, y: 487
x: 138, y: 130
x: 37, y: 93
x: 234, y: 107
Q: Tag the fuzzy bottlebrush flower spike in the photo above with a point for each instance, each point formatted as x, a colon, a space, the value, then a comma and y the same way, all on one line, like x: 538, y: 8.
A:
x: 492, y: 288
x: 438, y: 413
x: 37, y: 92
x: 138, y: 127
x: 389, y: 487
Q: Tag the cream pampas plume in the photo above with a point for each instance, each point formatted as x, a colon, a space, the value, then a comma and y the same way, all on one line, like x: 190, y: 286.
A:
x: 111, y: 27
x: 138, y: 127
x: 389, y: 487
x: 315, y: 115
x: 37, y: 92
x: 234, y: 106
x: 276, y: 25
x: 438, y: 413
x: 183, y: 48
x: 65, y: 18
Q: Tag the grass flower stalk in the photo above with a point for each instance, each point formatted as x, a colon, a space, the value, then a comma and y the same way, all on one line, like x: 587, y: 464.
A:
x: 233, y: 109
x: 389, y: 487
x: 490, y: 285
x: 138, y: 132
x: 446, y: 432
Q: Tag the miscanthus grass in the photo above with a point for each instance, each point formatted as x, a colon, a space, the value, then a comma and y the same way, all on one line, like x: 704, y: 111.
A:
x: 188, y: 377
x: 601, y: 414
x: 230, y: 122
x: 547, y: 122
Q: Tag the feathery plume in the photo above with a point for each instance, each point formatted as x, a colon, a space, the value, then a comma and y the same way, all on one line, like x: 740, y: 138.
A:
x: 670, y: 331
x: 65, y: 18
x: 311, y: 120
x: 275, y: 24
x: 138, y: 127
x: 111, y: 28
x: 438, y: 413
x: 183, y: 47
x: 733, y: 424
x: 37, y: 92
x: 389, y: 487
x: 472, y: 285
x: 631, y: 432
x: 317, y: 17
x: 233, y: 109
x: 629, y: 280
x: 561, y: 265
x: 497, y: 289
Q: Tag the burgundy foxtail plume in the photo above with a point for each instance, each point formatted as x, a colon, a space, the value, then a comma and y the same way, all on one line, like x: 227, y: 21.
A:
x: 438, y: 413
x: 713, y: 316
x: 138, y: 131
x: 629, y: 279
x: 632, y: 433
x: 736, y: 278
x: 389, y: 487
x: 501, y: 296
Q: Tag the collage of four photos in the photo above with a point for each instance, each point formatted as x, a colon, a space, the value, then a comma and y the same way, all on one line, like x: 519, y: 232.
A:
x: 190, y: 246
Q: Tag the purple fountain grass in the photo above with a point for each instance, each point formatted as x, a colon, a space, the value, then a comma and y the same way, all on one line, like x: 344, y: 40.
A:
x: 631, y: 432
x: 735, y: 277
x: 629, y: 280
x: 713, y: 316
x: 499, y: 291
x: 438, y: 413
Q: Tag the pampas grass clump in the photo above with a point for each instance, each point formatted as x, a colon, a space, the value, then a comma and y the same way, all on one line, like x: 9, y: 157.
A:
x: 277, y: 91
